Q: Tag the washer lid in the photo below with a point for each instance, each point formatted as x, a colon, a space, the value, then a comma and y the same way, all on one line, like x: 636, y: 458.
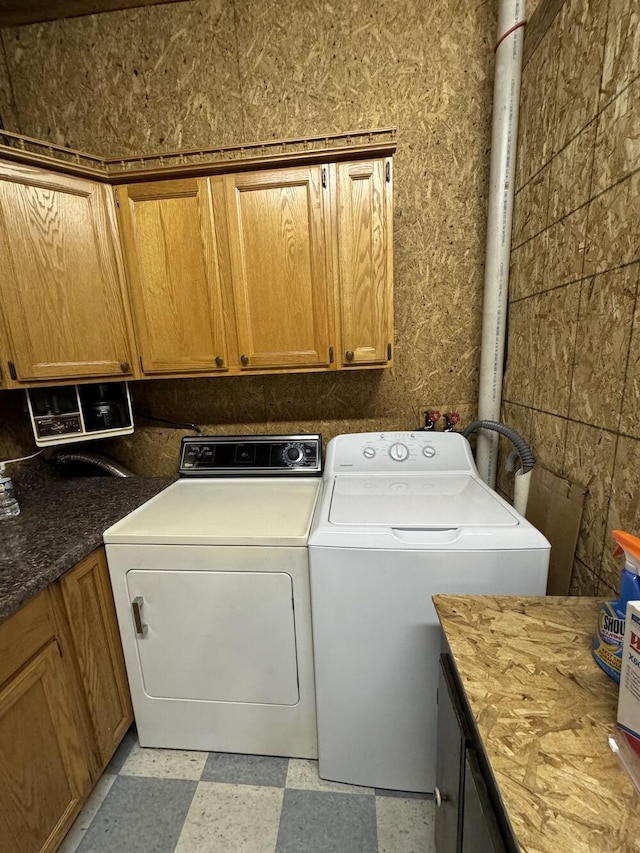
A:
x: 432, y: 502
x: 222, y: 512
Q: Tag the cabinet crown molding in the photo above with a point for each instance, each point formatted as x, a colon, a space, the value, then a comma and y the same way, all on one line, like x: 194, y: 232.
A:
x: 351, y: 145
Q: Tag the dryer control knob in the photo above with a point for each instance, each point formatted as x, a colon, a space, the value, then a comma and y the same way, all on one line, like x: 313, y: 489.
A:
x: 399, y: 452
x: 293, y: 454
x: 369, y: 452
x: 429, y: 451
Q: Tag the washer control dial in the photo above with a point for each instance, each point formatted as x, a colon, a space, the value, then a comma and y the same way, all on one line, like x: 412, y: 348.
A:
x: 293, y: 454
x: 369, y: 452
x: 429, y: 451
x: 399, y: 452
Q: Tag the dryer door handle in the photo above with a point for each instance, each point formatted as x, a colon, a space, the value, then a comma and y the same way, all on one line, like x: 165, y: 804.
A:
x: 136, y: 605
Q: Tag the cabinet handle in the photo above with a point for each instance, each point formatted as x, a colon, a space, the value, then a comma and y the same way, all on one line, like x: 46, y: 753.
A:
x: 349, y: 355
x: 438, y: 797
x: 219, y: 361
x: 12, y: 370
x: 141, y: 627
x: 124, y: 366
x: 244, y: 359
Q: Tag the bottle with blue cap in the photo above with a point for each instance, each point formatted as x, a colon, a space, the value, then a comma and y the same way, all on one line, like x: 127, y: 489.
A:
x: 609, y: 638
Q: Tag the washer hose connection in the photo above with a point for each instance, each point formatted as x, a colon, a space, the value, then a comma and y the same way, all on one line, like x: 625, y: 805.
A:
x: 527, y: 459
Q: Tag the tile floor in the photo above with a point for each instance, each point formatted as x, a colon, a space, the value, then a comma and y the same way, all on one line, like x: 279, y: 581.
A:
x: 161, y: 801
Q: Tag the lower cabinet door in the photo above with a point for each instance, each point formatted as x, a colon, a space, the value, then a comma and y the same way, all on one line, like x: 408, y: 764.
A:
x: 452, y: 740
x: 88, y: 602
x: 44, y: 777
x: 480, y: 831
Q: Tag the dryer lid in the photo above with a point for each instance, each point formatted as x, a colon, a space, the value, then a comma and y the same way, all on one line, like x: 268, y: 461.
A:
x: 432, y: 502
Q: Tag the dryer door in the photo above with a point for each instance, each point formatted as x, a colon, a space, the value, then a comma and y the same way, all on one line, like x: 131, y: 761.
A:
x: 215, y: 635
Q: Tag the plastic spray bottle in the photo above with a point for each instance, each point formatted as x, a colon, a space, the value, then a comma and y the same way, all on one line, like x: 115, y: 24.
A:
x: 609, y: 638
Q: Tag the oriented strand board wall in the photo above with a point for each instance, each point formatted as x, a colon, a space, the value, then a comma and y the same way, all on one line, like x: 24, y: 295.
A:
x: 573, y: 377
x: 214, y: 72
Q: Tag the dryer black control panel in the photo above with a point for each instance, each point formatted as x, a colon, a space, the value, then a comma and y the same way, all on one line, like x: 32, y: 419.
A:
x: 251, y: 456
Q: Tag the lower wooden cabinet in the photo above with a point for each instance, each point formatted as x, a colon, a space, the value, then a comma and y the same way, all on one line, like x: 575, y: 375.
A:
x: 469, y: 816
x: 64, y: 706
x: 90, y: 611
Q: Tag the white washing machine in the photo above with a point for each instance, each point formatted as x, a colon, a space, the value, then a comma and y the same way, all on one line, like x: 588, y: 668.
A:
x: 211, y: 586
x: 403, y: 516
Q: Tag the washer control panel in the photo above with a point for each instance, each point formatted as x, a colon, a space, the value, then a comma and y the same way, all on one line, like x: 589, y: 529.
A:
x: 394, y: 451
x: 250, y: 456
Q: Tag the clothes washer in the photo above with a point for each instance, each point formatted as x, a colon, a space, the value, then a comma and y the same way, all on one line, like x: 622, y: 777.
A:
x: 403, y: 516
x: 211, y: 586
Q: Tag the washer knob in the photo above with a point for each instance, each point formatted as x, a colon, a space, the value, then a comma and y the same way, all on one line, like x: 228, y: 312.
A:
x: 429, y: 451
x: 369, y: 452
x: 399, y: 452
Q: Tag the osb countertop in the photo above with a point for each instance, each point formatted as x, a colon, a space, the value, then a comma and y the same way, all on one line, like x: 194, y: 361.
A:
x: 544, y: 711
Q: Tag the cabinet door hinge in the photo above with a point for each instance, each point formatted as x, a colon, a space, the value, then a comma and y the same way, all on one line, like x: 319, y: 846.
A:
x: 387, y: 172
x: 115, y: 195
x: 12, y: 370
x: 388, y: 352
x: 324, y: 176
x: 330, y: 355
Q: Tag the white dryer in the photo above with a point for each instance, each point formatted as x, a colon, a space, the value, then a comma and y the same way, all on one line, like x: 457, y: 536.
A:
x: 403, y: 516
x: 211, y: 586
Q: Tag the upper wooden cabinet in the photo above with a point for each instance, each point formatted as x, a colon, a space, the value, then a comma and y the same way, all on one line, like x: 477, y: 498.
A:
x: 62, y: 287
x: 365, y: 261
x: 272, y: 269
x: 277, y: 234
x: 170, y: 251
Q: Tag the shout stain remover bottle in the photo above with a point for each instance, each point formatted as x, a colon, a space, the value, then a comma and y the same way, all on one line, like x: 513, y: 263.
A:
x: 609, y: 638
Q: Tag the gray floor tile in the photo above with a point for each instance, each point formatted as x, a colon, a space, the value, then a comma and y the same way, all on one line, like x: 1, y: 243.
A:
x: 139, y: 815
x: 405, y: 825
x: 327, y: 822
x: 245, y: 769
x: 404, y: 795
x: 122, y: 752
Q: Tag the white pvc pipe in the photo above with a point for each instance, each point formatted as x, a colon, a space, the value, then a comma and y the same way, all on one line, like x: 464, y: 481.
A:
x: 521, y: 485
x: 504, y: 137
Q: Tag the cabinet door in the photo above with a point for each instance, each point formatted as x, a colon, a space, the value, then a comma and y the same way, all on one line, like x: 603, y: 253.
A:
x: 170, y: 252
x: 365, y: 261
x: 43, y: 774
x: 62, y: 284
x: 279, y: 267
x: 88, y: 602
x: 452, y: 738
x: 480, y: 831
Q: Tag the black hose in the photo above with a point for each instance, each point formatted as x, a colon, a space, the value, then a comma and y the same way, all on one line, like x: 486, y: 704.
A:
x: 109, y: 466
x: 527, y: 459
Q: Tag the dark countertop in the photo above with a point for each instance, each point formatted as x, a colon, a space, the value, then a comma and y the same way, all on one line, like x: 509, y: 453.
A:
x: 61, y: 521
